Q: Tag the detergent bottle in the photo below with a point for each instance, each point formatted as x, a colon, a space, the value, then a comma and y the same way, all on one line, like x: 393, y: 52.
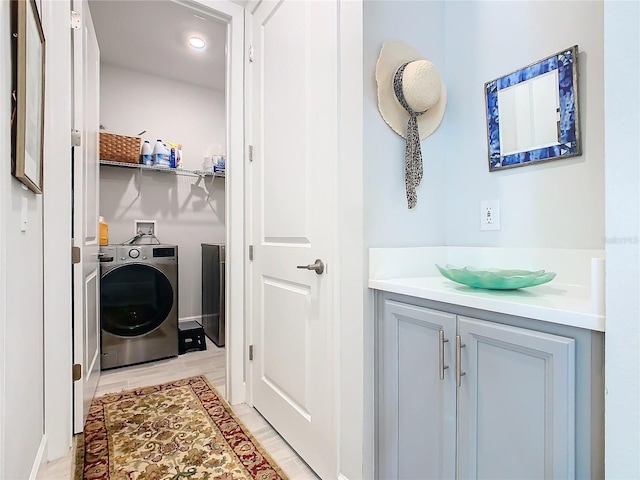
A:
x: 104, y: 231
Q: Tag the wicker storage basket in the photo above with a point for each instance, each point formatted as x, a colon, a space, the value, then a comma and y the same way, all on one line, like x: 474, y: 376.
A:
x: 119, y: 148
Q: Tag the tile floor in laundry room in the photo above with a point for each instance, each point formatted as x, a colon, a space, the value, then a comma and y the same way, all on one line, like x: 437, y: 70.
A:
x: 210, y: 363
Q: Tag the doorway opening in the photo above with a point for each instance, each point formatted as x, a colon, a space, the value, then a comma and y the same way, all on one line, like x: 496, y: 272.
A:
x: 154, y: 84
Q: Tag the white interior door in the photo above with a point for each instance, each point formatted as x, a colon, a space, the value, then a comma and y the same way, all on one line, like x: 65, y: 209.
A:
x: 293, y: 201
x: 86, y: 273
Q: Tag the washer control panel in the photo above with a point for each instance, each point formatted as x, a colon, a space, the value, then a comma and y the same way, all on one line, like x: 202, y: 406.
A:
x: 156, y: 254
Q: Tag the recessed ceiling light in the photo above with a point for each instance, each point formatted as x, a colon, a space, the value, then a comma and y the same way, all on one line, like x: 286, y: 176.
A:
x: 197, y: 42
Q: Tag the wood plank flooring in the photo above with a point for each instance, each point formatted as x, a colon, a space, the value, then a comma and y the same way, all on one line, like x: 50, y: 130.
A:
x: 210, y: 363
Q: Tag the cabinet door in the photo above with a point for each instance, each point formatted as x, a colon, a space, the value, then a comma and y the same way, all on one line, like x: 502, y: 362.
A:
x: 417, y: 408
x: 516, y: 403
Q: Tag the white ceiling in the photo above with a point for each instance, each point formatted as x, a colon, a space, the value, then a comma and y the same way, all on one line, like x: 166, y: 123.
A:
x: 151, y: 36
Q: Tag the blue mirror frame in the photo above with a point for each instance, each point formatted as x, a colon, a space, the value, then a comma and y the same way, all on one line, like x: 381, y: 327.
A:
x: 569, y: 141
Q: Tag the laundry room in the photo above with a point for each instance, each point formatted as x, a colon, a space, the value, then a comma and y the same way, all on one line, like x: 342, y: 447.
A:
x: 156, y: 87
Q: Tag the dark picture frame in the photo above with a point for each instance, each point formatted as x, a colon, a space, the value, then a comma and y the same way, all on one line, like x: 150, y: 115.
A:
x: 28, y: 72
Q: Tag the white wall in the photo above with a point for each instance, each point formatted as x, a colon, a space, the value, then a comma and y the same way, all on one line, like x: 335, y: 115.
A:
x: 559, y: 204
x: 388, y: 221
x: 622, y: 174
x: 21, y: 310
x: 472, y: 42
x: 188, y: 211
x: 178, y: 112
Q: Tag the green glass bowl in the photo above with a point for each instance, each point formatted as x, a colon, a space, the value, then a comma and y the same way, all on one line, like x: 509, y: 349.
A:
x: 494, y: 279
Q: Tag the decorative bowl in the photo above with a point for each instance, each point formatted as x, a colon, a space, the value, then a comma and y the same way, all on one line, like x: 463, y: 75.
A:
x: 494, y: 279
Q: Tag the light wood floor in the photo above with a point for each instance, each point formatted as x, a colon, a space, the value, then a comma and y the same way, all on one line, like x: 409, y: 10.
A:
x: 210, y: 363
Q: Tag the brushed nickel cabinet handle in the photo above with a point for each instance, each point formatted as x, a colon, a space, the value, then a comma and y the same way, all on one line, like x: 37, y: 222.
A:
x: 459, y: 372
x: 441, y: 341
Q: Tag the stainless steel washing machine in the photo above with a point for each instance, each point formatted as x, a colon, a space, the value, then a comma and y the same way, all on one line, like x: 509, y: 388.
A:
x: 138, y: 303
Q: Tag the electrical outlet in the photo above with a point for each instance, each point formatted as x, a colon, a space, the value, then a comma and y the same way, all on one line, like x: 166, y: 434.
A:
x: 490, y: 215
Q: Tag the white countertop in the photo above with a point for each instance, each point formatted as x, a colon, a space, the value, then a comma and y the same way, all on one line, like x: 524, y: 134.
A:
x: 552, y: 302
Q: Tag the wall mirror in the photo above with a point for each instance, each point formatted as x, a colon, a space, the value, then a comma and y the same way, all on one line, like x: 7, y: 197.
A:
x: 533, y: 114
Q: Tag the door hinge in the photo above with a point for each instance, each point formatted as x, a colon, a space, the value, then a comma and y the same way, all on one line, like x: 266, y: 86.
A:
x: 251, y: 153
x: 250, y: 252
x: 76, y: 20
x: 75, y: 255
x: 250, y: 53
x: 250, y: 352
x: 76, y: 138
x: 76, y: 372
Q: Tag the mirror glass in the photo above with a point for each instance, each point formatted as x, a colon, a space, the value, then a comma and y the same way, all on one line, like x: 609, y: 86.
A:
x: 532, y: 113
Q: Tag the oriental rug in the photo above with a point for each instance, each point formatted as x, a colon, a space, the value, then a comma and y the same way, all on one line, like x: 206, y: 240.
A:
x: 177, y: 430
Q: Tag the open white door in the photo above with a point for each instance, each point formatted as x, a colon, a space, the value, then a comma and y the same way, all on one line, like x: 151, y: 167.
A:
x: 86, y: 273
x: 294, y: 79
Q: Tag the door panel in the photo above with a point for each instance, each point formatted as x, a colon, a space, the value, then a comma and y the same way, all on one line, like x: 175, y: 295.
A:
x: 516, y: 403
x: 294, y: 133
x: 92, y: 332
x: 419, y: 423
x: 286, y: 316
x: 86, y: 274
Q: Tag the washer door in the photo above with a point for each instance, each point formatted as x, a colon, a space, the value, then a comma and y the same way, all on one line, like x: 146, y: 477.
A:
x: 134, y: 300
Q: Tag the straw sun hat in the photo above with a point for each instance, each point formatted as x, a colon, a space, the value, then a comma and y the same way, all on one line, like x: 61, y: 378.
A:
x: 411, y: 99
x: 422, y: 88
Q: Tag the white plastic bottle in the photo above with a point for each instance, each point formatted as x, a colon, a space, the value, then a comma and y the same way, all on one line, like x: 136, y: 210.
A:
x: 160, y: 154
x: 146, y: 155
x: 219, y: 163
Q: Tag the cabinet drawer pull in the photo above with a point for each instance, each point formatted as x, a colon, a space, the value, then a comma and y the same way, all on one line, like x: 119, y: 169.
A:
x: 459, y: 372
x: 441, y: 342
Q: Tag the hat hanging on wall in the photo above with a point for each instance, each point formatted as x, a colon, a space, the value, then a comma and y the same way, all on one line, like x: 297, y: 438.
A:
x: 411, y: 99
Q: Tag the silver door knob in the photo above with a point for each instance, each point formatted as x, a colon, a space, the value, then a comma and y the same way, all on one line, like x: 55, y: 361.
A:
x: 318, y: 266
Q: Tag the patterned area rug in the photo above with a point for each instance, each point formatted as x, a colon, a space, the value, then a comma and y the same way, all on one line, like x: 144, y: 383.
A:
x: 177, y: 430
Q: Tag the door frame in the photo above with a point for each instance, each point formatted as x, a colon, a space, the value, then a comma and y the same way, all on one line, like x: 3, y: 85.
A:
x: 85, y: 72
x: 235, y: 343
x: 57, y: 267
x: 58, y: 338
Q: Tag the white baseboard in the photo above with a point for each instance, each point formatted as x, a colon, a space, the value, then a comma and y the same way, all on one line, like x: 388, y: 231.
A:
x: 40, y: 456
x: 342, y: 477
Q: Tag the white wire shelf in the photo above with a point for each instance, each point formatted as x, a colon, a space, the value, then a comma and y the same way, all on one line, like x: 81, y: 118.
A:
x: 177, y: 171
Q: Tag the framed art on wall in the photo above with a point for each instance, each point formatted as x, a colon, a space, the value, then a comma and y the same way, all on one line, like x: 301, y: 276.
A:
x: 27, y: 119
x: 533, y: 114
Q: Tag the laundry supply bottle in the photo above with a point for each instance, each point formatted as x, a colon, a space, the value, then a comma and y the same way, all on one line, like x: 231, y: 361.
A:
x: 160, y: 154
x: 167, y: 156
x: 219, y: 163
x: 173, y: 148
x: 179, y: 156
x: 146, y: 155
x: 104, y: 231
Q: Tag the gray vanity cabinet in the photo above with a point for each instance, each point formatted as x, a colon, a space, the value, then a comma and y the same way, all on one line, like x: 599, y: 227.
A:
x: 417, y: 415
x: 506, y: 410
x: 516, y: 403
